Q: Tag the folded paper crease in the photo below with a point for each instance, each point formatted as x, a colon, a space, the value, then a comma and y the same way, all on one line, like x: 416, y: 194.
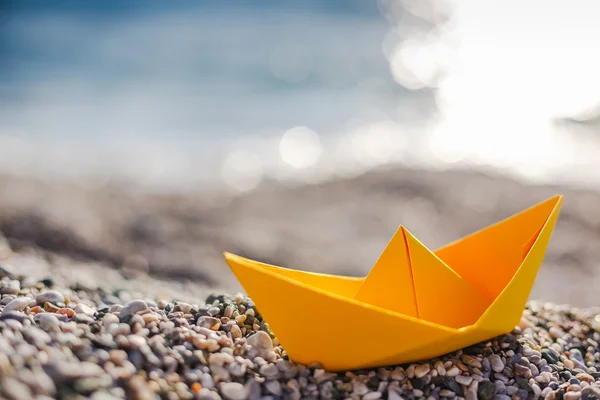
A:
x: 422, y: 303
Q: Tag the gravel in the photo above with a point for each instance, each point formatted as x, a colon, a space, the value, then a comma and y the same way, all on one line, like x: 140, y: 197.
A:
x: 74, y: 343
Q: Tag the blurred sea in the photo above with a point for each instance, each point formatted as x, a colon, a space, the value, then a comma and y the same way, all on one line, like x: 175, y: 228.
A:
x: 179, y: 95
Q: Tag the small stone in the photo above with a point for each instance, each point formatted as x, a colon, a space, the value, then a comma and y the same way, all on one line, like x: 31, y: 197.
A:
x: 83, y: 319
x: 421, y: 370
x: 184, y: 307
x: 397, y: 374
x: 110, y: 319
x: 162, y: 304
x: 17, y: 304
x: 50, y: 296
x: 486, y: 390
x: 537, y: 391
x: 150, y: 317
x: 66, y: 311
x: 550, y: 355
x: 138, y: 389
x: 273, y: 387
x: 84, y: 309
x: 261, y: 342
x: 269, y: 371
x: 496, y: 362
x: 472, y: 390
x: 236, y: 332
x: 47, y: 321
x: 208, y: 322
x: 372, y: 396
x: 454, y: 371
x: 470, y: 360
x: 522, y: 371
x: 447, y: 393
x: 555, y: 332
x: 359, y: 388
x: 590, y: 392
x: 585, y: 377
x: 131, y: 308
x: 233, y: 391
x: 572, y: 396
x: 464, y: 379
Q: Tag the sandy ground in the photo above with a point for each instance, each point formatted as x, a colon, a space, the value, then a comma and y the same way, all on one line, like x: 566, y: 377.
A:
x: 85, y: 234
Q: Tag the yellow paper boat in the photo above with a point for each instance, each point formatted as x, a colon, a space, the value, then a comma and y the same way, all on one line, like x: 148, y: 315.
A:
x: 414, y: 304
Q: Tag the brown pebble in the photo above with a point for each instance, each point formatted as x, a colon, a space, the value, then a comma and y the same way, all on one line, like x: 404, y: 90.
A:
x: 470, y: 360
x: 50, y: 307
x: 585, y: 377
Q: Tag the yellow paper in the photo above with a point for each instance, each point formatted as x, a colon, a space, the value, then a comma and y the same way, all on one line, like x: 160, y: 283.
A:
x: 414, y: 304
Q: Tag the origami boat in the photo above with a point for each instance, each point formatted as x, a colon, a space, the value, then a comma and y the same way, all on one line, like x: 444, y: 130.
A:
x: 414, y: 304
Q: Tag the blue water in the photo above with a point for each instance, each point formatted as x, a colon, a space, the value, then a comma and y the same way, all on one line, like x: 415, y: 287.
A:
x: 159, y: 89
x: 149, y: 69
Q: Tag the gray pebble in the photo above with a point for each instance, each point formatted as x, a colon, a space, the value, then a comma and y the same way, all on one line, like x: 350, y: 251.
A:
x: 496, y: 363
x: 50, y: 296
x: 17, y: 304
x: 261, y: 342
x: 269, y: 371
x: 214, y: 311
x: 233, y: 391
x: 273, y: 387
x: 131, y: 308
x: 84, y: 309
x: 464, y: 380
x: 47, y: 321
x: 83, y: 319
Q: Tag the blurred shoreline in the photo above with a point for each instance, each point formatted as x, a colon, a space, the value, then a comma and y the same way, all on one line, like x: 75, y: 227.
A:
x: 338, y: 226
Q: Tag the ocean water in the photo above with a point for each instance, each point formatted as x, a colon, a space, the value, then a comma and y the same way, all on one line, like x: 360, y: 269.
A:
x: 188, y: 94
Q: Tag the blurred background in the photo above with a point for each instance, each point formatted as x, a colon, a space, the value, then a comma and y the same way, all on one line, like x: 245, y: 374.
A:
x: 140, y: 139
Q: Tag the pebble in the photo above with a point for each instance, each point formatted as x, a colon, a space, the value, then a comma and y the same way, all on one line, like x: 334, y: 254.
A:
x: 447, y: 393
x: 261, y: 342
x: 83, y: 309
x: 50, y: 296
x: 233, y: 391
x: 470, y: 360
x: 464, y: 379
x: 421, y: 370
x: 496, y: 363
x: 131, y: 308
x: 208, y: 322
x: 17, y: 304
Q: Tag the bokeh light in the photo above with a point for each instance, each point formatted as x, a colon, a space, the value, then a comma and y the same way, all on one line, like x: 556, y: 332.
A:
x: 300, y: 147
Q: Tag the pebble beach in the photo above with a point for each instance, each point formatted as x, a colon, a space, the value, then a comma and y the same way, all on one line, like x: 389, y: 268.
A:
x: 77, y: 343
x: 109, y: 294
